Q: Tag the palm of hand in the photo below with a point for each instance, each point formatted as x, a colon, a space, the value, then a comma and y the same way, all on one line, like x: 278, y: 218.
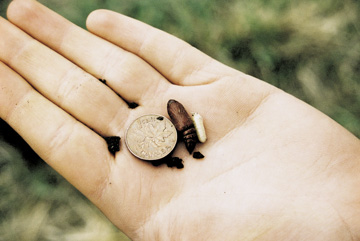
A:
x: 260, y: 167
x: 267, y: 175
x: 270, y: 159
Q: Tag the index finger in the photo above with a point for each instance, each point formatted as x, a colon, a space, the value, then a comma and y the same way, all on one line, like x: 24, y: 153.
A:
x: 177, y: 60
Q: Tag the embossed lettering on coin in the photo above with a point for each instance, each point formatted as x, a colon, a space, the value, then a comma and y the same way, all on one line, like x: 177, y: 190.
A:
x: 151, y: 137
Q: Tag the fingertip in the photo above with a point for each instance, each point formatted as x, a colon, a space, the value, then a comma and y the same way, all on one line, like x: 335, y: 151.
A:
x: 97, y: 18
x: 15, y: 8
x: 21, y: 11
x: 9, y: 10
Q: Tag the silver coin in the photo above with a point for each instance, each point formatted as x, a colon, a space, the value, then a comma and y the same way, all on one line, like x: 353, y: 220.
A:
x: 151, y: 137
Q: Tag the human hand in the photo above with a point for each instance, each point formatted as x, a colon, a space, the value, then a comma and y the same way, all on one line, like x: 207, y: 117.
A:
x: 275, y: 168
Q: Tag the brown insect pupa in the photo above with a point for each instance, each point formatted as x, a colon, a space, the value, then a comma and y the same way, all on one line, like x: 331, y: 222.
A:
x: 183, y: 124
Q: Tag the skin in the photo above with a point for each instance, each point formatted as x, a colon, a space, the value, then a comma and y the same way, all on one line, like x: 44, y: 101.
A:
x: 274, y: 167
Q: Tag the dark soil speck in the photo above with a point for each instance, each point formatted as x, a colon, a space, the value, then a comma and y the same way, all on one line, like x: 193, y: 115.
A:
x: 198, y: 155
x: 113, y: 143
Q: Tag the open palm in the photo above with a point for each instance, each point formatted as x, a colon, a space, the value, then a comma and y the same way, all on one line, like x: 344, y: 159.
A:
x: 274, y: 167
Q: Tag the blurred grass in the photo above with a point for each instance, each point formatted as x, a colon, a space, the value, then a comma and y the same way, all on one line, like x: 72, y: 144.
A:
x: 38, y: 204
x: 309, y: 48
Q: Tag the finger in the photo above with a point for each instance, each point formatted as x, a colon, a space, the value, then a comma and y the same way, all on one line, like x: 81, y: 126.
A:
x: 70, y: 87
x: 127, y: 74
x: 174, y: 58
x: 68, y: 146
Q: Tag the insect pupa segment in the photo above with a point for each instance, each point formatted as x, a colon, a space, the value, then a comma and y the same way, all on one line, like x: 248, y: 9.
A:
x: 183, y: 124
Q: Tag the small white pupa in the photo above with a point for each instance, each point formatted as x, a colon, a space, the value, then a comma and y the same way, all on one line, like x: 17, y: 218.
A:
x: 199, y: 126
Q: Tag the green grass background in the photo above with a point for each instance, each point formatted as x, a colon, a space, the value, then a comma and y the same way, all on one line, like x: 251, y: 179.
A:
x: 309, y: 48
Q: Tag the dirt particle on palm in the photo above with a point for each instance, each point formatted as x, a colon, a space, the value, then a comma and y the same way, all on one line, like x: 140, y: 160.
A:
x: 113, y: 143
x: 198, y: 155
x: 133, y: 105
